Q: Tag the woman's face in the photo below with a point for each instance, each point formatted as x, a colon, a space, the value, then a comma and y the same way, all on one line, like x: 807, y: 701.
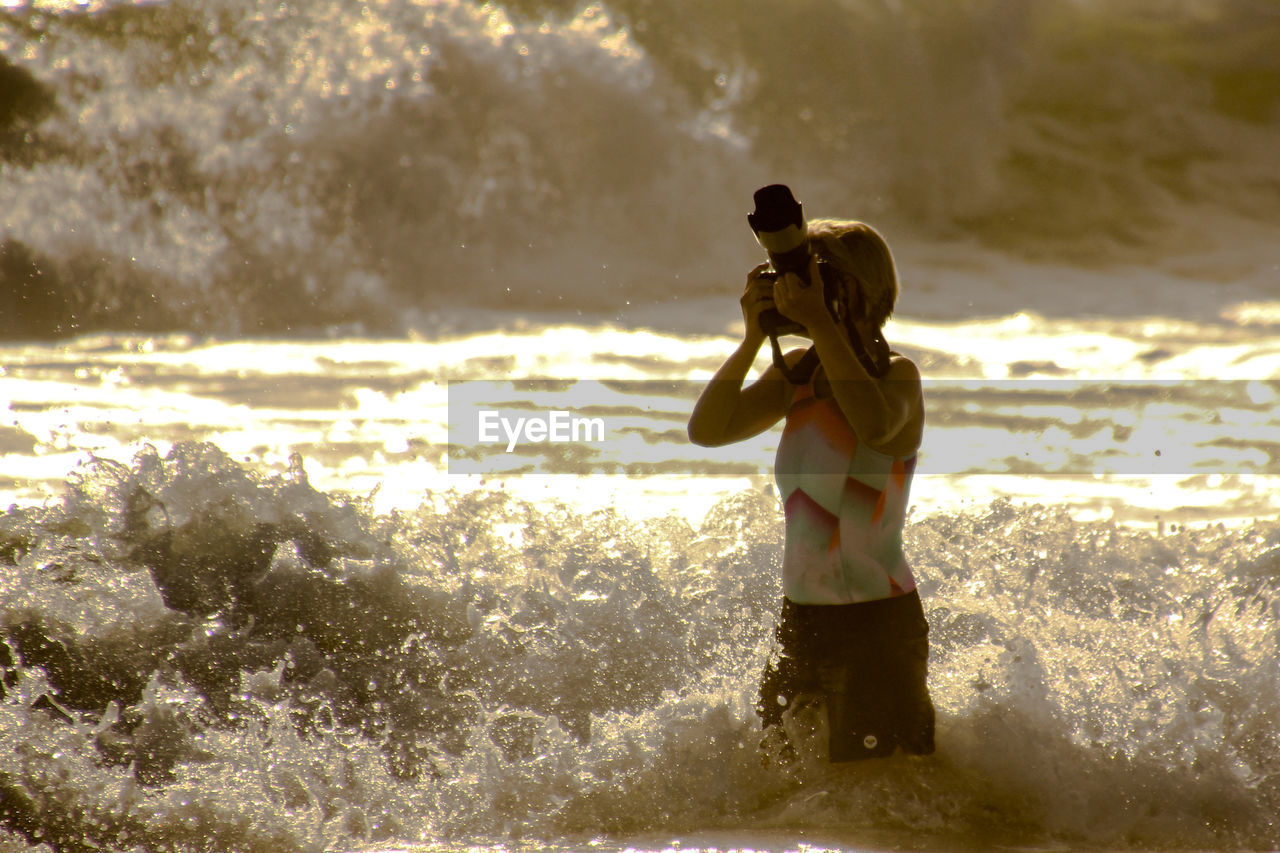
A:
x: 853, y: 306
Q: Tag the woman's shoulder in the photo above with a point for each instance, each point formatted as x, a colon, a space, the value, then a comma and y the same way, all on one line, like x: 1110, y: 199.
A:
x: 793, y: 356
x: 790, y: 357
x: 902, y: 368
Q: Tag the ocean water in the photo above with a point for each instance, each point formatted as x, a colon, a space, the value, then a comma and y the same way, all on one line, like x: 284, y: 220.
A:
x: 263, y: 585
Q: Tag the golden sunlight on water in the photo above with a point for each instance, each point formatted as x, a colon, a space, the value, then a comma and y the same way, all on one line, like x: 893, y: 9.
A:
x: 1123, y: 437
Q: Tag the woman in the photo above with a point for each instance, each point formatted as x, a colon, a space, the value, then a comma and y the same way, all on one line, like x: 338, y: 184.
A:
x: 852, y: 629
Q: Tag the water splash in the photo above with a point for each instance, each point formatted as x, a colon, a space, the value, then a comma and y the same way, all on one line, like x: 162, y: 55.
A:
x: 195, y: 654
x: 245, y: 166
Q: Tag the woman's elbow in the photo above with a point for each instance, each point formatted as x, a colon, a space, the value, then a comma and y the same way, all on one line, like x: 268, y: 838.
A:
x: 700, y: 436
x: 696, y: 436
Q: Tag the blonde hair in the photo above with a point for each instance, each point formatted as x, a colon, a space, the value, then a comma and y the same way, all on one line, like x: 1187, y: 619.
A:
x: 856, y: 249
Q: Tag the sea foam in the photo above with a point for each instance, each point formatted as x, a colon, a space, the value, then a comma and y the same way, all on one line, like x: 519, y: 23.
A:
x: 199, y: 655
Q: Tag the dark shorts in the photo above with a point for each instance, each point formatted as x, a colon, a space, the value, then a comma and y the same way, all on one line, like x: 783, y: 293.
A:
x: 868, y: 662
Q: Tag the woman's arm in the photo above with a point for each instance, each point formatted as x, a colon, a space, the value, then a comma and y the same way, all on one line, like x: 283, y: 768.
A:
x: 725, y: 411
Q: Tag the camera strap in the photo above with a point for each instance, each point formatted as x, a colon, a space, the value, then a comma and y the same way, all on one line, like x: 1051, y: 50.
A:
x: 803, y: 370
x: 875, y: 358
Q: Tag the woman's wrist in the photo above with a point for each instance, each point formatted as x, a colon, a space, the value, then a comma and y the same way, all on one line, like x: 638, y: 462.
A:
x: 822, y: 326
x: 839, y: 353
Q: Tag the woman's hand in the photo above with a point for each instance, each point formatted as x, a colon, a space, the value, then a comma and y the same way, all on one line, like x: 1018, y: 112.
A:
x: 757, y: 297
x: 726, y: 412
x: 806, y: 305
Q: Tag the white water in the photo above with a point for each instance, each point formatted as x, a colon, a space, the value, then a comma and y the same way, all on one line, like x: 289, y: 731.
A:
x: 1103, y: 664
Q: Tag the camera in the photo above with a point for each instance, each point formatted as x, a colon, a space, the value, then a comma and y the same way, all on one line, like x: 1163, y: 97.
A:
x: 779, y: 225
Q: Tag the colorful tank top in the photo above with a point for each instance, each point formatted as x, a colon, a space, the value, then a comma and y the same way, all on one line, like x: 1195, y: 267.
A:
x: 845, y: 505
